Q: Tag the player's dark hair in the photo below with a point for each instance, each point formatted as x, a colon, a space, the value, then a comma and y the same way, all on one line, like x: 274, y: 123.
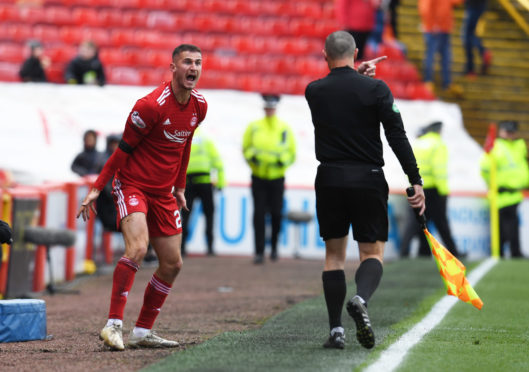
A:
x: 186, y: 48
x: 340, y: 44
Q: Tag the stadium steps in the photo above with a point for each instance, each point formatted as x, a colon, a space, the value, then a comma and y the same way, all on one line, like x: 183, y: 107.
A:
x: 501, y: 94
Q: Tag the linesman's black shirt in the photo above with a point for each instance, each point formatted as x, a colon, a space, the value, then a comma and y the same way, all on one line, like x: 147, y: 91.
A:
x: 347, y: 109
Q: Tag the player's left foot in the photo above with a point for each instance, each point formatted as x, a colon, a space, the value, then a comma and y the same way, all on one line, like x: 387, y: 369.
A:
x: 364, y: 333
x: 150, y: 340
x: 112, y: 336
x: 335, y: 341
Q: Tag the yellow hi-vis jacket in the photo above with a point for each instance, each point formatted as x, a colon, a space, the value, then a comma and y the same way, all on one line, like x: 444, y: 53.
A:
x: 431, y: 154
x: 269, y: 147
x: 511, y: 167
x: 203, y: 160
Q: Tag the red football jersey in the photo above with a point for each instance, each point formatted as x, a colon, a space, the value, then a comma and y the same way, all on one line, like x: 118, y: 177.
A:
x: 160, y: 130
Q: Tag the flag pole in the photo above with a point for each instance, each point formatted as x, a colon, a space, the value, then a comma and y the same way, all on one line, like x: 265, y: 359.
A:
x: 493, y: 195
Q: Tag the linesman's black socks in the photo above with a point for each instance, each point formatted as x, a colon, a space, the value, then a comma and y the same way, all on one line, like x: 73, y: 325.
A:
x: 334, y: 289
x: 367, y: 278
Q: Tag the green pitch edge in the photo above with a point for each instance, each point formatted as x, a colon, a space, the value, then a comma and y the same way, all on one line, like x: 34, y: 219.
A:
x: 293, y: 339
x: 493, y: 339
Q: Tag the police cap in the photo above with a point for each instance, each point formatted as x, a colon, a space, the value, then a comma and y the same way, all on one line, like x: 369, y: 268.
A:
x: 508, y: 125
x: 432, y: 127
x: 271, y: 100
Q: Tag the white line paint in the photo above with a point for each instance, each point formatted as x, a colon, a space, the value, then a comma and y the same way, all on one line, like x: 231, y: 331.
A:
x: 391, y: 358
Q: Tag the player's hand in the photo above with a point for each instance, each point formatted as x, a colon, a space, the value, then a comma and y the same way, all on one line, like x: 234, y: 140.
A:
x: 181, y: 199
x: 418, y: 200
x: 88, y: 203
x: 369, y: 68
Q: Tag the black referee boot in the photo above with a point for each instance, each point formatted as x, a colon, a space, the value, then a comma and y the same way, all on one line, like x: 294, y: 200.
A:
x: 364, y: 333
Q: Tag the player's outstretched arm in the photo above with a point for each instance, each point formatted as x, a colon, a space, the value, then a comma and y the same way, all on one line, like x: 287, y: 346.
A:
x: 88, y: 203
x: 369, y: 68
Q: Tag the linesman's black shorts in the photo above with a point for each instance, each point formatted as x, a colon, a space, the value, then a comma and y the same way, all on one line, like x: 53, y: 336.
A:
x: 366, y: 209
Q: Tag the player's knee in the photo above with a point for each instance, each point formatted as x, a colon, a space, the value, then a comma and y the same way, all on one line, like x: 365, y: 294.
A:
x: 172, y: 267
x: 137, y: 252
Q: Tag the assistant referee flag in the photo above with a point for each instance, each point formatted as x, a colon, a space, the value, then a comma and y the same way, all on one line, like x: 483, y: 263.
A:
x: 453, y: 273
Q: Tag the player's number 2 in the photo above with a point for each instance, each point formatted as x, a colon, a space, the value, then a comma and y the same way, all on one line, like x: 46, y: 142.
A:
x: 178, y: 219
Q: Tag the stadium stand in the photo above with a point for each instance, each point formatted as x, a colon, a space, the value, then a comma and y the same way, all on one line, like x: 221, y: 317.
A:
x: 502, y: 93
x: 255, y: 45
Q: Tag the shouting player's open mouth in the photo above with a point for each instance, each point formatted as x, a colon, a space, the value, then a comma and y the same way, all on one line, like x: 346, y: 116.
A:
x: 191, y: 77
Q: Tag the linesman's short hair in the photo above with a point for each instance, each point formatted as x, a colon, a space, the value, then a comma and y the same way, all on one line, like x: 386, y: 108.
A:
x: 340, y: 44
x: 186, y: 48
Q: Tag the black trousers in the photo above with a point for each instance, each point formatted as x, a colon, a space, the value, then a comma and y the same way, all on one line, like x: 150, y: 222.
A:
x: 203, y: 191
x: 436, y: 212
x: 510, y: 230
x: 267, y: 198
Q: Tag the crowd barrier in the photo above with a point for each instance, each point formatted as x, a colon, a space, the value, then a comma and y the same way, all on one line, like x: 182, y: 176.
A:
x: 51, y: 205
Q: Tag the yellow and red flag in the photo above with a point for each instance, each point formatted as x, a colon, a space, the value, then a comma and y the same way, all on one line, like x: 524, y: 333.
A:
x: 453, y: 273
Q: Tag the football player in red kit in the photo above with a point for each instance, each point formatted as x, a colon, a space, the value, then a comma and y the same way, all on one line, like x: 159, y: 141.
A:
x: 150, y: 172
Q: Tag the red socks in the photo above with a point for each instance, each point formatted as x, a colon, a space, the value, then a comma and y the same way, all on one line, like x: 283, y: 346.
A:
x: 153, y: 299
x: 121, y: 284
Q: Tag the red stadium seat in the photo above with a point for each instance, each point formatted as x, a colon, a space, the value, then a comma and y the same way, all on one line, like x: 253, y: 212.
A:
x: 408, y: 72
x: 126, y: 4
x: 99, y: 36
x: 123, y: 37
x: 19, y: 32
x: 31, y: 15
x: 8, y: 13
x: 309, y: 10
x: 71, y: 35
x: 110, y: 18
x: 161, y: 20
x: 419, y: 91
x: 58, y: 16
x: 279, y: 26
x: 155, y: 58
x: 124, y: 76
x: 155, y: 76
x: 46, y: 33
x: 87, y: 17
x: 115, y: 57
x: 134, y: 18
x: 12, y: 52
x: 9, y: 71
x: 154, y: 4
x: 288, y: 65
x: 60, y: 53
x: 328, y: 11
x: 55, y: 73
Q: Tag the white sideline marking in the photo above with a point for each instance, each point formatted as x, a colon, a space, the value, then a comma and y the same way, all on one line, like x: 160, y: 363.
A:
x: 393, y: 356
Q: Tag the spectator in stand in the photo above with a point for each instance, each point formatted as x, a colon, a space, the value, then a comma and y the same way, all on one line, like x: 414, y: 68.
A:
x: 88, y: 161
x: 86, y: 67
x: 393, y: 4
x: 358, y: 18
x: 33, y: 68
x: 473, y: 11
x: 437, y: 22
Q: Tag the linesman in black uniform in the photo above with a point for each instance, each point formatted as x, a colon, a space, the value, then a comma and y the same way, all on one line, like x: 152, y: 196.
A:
x: 351, y: 189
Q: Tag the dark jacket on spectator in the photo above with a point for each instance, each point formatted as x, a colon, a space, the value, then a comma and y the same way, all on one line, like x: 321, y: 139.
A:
x: 32, y: 70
